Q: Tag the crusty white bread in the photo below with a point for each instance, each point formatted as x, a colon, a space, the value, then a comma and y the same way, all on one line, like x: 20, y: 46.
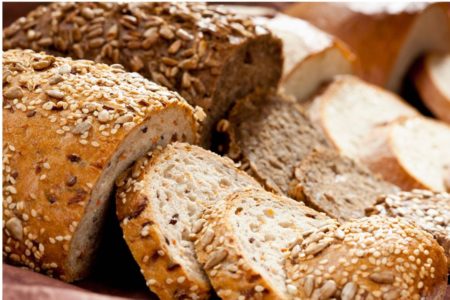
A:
x: 243, y: 243
x: 432, y: 80
x: 370, y: 258
x: 406, y: 30
x: 336, y: 185
x: 430, y: 211
x: 349, y: 108
x: 209, y: 56
x: 410, y: 152
x: 69, y: 129
x: 159, y: 204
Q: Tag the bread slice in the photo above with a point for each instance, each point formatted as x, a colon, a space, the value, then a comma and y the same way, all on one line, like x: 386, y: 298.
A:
x: 210, y: 56
x: 269, y: 134
x: 336, y: 185
x: 406, y: 30
x: 370, y: 258
x: 159, y: 204
x: 411, y: 153
x: 429, y: 210
x: 349, y: 108
x: 69, y: 129
x: 432, y: 82
x: 243, y: 243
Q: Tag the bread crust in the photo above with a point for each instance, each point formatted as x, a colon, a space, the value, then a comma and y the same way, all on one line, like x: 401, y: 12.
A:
x: 369, y: 258
x: 57, y: 144
x: 432, y: 96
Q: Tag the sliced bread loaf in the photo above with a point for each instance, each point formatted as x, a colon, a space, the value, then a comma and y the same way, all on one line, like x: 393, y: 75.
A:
x: 159, y: 204
x: 244, y: 240
x: 369, y: 258
x: 70, y: 127
x: 411, y: 153
x: 210, y: 56
x: 269, y: 134
x: 336, y: 185
x: 429, y: 210
x: 349, y: 108
x: 432, y: 80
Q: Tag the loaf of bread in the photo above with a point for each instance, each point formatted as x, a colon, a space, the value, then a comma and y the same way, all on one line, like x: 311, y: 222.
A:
x: 336, y: 185
x: 243, y: 243
x: 410, y: 152
x: 159, y: 204
x: 349, y: 108
x: 368, y: 258
x: 432, y: 78
x: 386, y: 37
x: 269, y: 134
x: 69, y: 128
x: 429, y: 210
x: 209, y: 56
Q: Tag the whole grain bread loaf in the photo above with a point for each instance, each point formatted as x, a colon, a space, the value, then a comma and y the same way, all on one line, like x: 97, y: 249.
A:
x: 69, y: 128
x: 243, y: 243
x: 370, y: 258
x: 159, y: 204
x: 269, y: 134
x: 211, y: 57
x: 336, y: 185
x: 429, y: 210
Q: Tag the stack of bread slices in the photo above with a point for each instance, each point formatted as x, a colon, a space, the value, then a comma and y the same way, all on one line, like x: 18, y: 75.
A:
x: 324, y: 186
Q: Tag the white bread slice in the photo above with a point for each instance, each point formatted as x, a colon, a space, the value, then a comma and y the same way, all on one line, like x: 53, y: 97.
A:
x: 159, y: 204
x: 386, y: 37
x: 432, y: 82
x: 370, y: 258
x: 410, y: 152
x: 349, y: 108
x: 243, y: 243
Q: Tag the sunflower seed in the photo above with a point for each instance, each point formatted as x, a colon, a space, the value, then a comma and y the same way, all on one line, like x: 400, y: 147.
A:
x: 349, y: 291
x: 215, y: 258
x: 327, y: 290
x: 14, y: 226
x: 309, y: 285
x: 382, y: 277
x: 55, y: 94
x: 14, y: 92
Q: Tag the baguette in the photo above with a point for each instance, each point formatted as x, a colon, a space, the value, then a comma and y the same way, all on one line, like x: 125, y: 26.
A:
x: 432, y: 82
x: 336, y: 185
x: 406, y: 30
x: 69, y: 128
x: 159, y: 203
x: 209, y: 56
x: 430, y: 211
x: 412, y: 153
x: 349, y: 108
x: 368, y: 258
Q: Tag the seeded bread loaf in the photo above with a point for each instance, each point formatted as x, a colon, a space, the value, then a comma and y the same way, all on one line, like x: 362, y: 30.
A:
x: 368, y: 258
x: 349, y: 108
x: 336, y: 185
x: 159, y: 206
x: 386, y: 37
x: 432, y: 79
x: 429, y: 210
x: 69, y: 128
x: 208, y: 55
x: 268, y: 134
x: 410, y: 152
x: 244, y: 240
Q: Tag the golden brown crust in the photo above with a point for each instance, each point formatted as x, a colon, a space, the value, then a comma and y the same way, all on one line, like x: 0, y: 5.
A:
x: 369, y: 258
x: 62, y: 122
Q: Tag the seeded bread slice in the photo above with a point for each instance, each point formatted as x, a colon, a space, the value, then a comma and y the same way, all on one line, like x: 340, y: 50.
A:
x: 159, y: 204
x: 429, y: 210
x: 432, y: 79
x: 210, y: 56
x: 370, y: 258
x: 336, y: 185
x: 349, y: 108
x: 69, y: 129
x: 243, y: 243
x: 269, y: 134
x: 411, y: 153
